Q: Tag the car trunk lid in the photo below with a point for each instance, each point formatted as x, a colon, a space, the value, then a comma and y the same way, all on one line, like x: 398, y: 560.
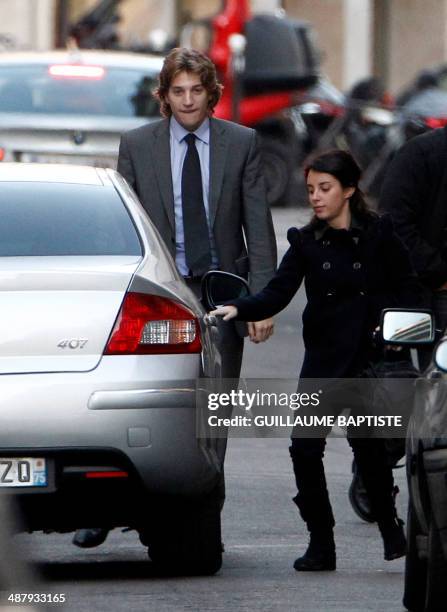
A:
x: 64, y: 138
x: 57, y: 313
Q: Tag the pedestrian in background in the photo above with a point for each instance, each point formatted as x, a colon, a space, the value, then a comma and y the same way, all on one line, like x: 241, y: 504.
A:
x: 199, y: 179
x: 353, y: 265
x: 414, y: 192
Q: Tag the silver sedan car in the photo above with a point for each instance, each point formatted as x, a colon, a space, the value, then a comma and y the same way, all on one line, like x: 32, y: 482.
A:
x: 73, y: 106
x: 101, y: 343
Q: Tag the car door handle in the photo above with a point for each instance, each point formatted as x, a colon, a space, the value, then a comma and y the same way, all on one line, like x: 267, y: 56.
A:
x: 210, y: 320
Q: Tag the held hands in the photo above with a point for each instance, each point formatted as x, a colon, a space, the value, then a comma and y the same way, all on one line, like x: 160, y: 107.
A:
x: 260, y: 331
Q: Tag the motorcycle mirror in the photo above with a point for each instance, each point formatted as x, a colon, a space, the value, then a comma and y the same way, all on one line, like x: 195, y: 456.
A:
x: 380, y: 116
x: 309, y: 108
x: 407, y: 327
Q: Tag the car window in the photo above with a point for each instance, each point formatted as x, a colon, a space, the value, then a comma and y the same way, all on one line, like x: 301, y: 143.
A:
x: 50, y: 219
x: 118, y: 92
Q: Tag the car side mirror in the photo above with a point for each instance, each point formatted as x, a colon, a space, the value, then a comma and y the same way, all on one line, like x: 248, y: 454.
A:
x: 407, y: 327
x: 219, y: 287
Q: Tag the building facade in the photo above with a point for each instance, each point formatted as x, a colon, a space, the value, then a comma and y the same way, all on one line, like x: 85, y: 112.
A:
x: 27, y: 24
x: 391, y: 39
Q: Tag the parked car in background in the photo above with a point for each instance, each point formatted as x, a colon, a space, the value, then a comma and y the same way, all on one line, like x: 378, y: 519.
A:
x: 101, y: 343
x: 426, y: 561
x: 73, y: 106
x: 426, y: 564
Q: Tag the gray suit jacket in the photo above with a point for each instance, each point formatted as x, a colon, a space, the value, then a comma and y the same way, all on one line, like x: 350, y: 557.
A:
x: 240, y: 216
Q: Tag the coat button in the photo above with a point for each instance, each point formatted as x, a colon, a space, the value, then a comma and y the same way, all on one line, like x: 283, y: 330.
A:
x: 326, y: 265
x: 357, y: 265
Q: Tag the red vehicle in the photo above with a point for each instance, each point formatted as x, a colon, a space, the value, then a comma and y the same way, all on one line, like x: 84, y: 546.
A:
x: 273, y: 81
x: 262, y: 95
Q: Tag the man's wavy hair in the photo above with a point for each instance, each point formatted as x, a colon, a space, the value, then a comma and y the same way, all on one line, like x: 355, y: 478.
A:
x: 182, y: 59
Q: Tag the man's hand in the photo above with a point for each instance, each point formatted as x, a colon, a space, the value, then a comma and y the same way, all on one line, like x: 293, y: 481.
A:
x: 261, y: 330
x: 442, y: 287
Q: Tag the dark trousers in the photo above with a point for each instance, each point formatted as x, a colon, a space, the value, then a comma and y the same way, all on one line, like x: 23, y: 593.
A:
x: 313, y: 498
x: 307, y: 452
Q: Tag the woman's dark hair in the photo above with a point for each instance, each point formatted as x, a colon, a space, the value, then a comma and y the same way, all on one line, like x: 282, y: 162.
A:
x: 182, y: 59
x: 343, y: 166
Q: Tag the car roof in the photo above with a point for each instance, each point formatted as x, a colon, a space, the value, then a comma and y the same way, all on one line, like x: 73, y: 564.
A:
x: 116, y: 59
x: 53, y: 173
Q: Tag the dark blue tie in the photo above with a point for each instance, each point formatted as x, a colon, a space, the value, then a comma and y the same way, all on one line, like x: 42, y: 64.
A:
x: 195, y: 226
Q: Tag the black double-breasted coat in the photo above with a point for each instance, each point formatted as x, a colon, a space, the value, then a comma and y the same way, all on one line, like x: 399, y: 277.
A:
x: 349, y: 277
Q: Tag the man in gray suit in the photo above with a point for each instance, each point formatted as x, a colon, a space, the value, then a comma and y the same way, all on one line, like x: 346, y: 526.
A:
x: 238, y: 233
x: 200, y: 181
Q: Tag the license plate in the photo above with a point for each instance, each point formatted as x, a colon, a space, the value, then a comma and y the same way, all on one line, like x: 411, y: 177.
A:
x: 82, y: 160
x: 23, y: 472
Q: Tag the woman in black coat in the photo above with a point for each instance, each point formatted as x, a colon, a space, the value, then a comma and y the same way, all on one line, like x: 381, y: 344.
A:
x: 353, y: 265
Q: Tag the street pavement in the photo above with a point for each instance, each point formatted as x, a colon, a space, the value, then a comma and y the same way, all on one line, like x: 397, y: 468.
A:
x: 261, y: 528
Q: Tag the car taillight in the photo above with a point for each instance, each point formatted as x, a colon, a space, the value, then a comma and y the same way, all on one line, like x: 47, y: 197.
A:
x: 150, y: 324
x: 76, y: 71
x: 435, y: 122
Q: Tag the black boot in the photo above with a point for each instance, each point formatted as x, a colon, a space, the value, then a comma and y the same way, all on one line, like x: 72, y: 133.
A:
x: 314, y: 505
x: 394, y: 542
x: 378, y: 479
x: 320, y: 554
x: 359, y: 497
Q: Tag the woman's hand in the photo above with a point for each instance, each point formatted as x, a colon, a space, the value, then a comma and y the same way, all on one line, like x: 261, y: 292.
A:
x: 227, y: 312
